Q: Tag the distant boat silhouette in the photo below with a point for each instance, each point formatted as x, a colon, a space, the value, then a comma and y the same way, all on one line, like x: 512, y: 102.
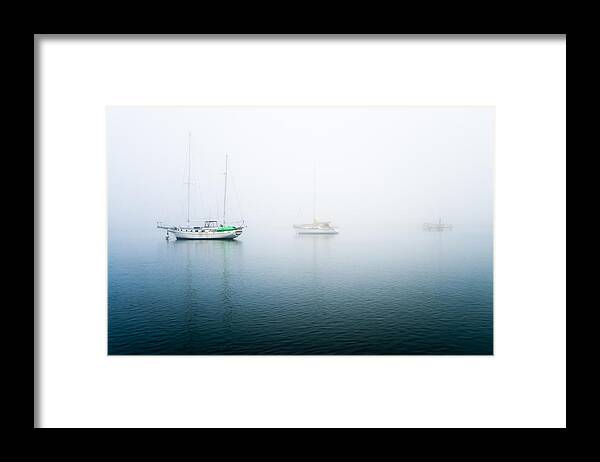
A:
x: 317, y: 226
x: 439, y: 226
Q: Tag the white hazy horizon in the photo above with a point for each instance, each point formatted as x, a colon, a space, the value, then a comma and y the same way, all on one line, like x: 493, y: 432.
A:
x: 374, y: 165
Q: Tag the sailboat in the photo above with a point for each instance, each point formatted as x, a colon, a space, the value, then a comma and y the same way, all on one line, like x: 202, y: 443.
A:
x: 317, y: 226
x: 210, y: 229
x: 439, y: 226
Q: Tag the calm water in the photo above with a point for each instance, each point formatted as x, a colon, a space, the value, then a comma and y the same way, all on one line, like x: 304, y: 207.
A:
x: 410, y: 292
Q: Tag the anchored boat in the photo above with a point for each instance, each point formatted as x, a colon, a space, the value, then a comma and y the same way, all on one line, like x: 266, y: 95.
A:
x: 317, y: 226
x: 211, y: 229
x: 439, y: 226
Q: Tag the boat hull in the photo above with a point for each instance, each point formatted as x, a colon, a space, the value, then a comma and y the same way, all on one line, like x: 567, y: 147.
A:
x: 317, y: 231
x: 201, y: 236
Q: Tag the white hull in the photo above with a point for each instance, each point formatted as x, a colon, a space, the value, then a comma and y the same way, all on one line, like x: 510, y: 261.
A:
x: 428, y: 227
x: 205, y: 235
x: 316, y: 231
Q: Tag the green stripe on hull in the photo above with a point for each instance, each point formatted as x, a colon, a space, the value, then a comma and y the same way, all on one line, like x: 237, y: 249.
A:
x: 206, y: 238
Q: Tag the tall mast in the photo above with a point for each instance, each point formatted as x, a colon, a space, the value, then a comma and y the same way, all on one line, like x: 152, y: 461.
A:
x: 225, y: 193
x: 315, y: 192
x: 189, y: 175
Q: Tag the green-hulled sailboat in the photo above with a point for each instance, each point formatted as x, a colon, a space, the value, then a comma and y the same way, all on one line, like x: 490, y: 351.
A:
x: 211, y: 229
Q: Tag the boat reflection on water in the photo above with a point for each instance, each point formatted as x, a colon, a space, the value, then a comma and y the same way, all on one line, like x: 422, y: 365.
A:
x: 207, y: 286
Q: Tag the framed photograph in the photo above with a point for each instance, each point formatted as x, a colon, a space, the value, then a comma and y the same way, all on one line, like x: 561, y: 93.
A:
x: 300, y: 232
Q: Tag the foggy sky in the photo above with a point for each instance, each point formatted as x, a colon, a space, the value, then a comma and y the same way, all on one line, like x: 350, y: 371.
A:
x: 393, y: 166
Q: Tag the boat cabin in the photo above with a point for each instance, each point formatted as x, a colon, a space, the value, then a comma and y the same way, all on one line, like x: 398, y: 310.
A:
x: 211, y: 224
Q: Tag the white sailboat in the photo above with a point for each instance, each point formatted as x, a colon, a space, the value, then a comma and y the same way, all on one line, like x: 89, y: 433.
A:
x: 210, y: 229
x: 317, y: 226
x: 439, y: 226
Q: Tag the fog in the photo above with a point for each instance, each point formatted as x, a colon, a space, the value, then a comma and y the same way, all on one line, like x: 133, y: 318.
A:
x: 382, y: 166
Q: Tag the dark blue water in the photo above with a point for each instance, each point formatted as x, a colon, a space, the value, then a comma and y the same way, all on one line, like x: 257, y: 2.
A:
x: 273, y: 292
